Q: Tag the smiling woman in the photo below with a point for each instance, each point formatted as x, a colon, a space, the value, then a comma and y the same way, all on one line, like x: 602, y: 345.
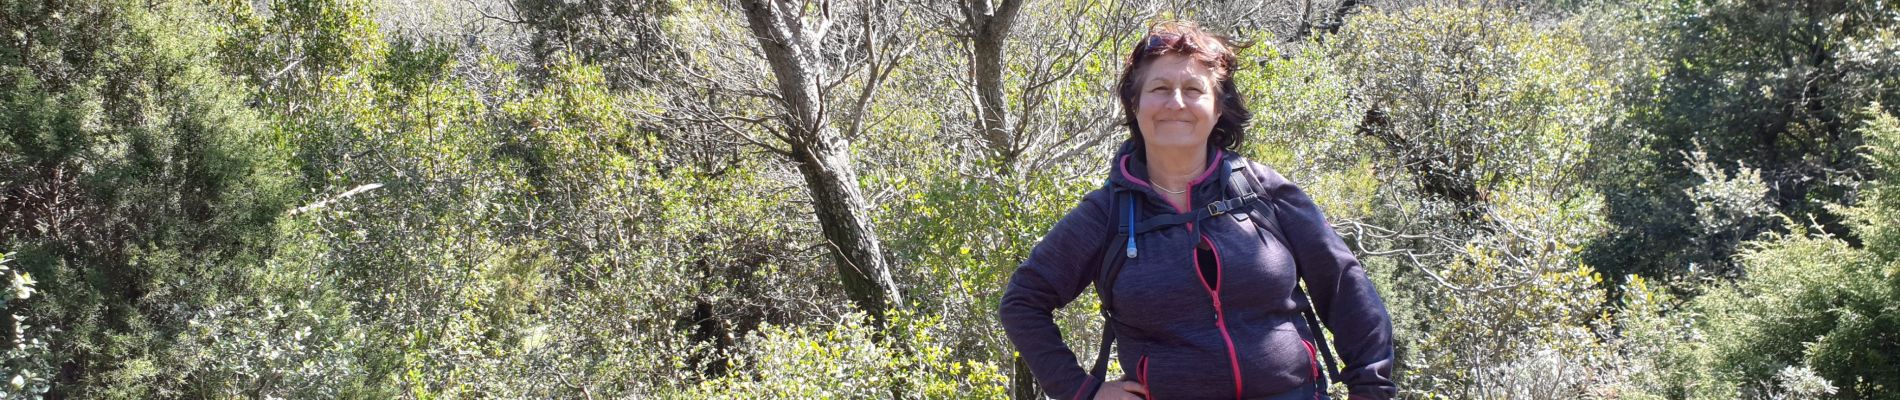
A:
x: 1198, y: 255
x: 1179, y: 98
x: 1176, y: 104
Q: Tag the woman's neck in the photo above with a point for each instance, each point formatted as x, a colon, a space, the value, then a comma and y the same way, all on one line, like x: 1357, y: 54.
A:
x: 1173, y: 168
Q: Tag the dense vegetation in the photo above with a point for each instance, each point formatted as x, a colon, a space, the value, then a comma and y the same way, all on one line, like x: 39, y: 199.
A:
x: 1689, y: 199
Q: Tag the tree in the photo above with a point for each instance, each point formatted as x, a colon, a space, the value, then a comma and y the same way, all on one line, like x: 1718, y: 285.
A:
x: 623, y: 37
x: 1025, y: 69
x: 792, y: 38
x: 138, y: 186
x: 1756, y: 84
x: 988, y: 25
x: 1815, y: 314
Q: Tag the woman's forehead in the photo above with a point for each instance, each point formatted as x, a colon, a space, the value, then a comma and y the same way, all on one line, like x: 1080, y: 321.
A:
x: 1175, y: 68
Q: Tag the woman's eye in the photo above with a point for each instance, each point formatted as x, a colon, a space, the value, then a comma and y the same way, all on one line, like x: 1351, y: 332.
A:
x: 1194, y: 90
x: 1158, y: 89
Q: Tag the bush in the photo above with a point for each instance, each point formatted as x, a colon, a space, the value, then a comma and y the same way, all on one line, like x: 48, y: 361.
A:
x: 26, y: 364
x: 1813, y: 311
x: 851, y: 360
x: 139, y: 185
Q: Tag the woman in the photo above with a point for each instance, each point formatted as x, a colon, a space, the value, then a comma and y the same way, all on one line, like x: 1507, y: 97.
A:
x: 1208, y: 309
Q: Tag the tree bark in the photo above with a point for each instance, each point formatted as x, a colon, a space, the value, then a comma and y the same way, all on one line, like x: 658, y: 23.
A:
x: 989, y: 28
x: 822, y: 155
x: 1022, y: 382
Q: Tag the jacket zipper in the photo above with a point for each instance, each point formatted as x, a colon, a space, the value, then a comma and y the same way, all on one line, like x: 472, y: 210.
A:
x: 1312, y: 358
x: 1220, y: 321
x: 1141, y: 376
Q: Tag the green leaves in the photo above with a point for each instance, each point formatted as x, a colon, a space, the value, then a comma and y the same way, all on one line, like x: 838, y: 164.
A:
x: 26, y: 361
x: 853, y: 360
x: 1814, y: 312
x: 581, y: 204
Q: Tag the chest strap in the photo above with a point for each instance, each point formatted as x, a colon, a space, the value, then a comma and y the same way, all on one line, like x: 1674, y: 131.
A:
x: 1242, y: 204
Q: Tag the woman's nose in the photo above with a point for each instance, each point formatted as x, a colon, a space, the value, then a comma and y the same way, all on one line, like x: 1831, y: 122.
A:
x: 1177, y: 100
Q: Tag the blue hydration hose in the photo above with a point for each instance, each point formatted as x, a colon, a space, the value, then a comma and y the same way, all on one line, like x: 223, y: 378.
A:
x: 1130, y: 213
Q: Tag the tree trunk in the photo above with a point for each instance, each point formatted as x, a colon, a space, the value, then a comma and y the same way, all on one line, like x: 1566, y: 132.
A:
x: 1023, y: 383
x: 989, y: 29
x: 823, y: 156
x: 841, y: 215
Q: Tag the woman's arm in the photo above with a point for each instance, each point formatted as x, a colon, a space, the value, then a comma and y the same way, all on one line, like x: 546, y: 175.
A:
x: 1343, y: 297
x: 1058, y: 269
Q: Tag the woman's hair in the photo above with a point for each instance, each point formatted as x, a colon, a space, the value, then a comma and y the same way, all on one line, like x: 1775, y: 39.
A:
x: 1214, y: 51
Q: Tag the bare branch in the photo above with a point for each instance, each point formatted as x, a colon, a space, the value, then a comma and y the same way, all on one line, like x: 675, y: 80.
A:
x: 485, y: 14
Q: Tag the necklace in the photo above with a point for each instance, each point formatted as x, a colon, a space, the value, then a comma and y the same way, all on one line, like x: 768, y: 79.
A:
x: 1184, y: 189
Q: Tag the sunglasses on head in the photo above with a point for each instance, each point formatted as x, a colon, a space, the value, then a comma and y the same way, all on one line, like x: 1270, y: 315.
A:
x: 1164, y: 40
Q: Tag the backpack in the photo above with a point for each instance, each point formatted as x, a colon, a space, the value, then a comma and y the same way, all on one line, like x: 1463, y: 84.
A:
x: 1250, y: 205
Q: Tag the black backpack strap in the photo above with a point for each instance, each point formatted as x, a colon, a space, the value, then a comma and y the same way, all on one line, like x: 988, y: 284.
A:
x: 1242, y: 181
x: 1113, y: 257
x: 1212, y: 209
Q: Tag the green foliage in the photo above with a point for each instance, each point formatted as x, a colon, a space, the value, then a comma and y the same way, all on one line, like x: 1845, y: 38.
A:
x: 1877, y: 229
x: 1301, y: 101
x: 143, y: 184
x: 1303, y: 128
x: 1760, y: 325
x: 1814, y: 314
x: 1648, y: 323
x: 848, y: 361
x: 283, y: 199
x: 1472, y: 103
x: 26, y: 364
x: 959, y: 231
x: 1515, y: 316
x: 1452, y: 140
x: 1767, y: 85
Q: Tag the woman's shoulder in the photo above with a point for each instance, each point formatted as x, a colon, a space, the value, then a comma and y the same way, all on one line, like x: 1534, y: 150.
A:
x: 1264, y: 175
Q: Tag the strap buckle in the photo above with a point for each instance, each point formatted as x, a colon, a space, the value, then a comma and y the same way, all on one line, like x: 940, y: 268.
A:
x: 1217, y: 208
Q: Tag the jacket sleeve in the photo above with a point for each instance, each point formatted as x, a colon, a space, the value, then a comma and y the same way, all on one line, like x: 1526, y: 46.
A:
x: 1058, y: 269
x: 1342, y: 295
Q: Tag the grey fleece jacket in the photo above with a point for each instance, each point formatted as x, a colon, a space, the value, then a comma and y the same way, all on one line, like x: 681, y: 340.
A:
x: 1238, y: 334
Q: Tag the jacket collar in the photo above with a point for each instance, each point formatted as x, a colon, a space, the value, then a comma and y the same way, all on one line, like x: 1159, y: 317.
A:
x: 1130, y: 171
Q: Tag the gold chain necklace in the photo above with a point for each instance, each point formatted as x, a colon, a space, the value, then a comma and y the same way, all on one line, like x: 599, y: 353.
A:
x: 1157, y: 184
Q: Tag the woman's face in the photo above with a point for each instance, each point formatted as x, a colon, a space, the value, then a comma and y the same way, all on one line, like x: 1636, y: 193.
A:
x: 1177, y: 107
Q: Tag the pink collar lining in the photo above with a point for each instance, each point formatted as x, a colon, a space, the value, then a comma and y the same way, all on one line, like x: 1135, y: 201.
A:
x: 1213, y: 161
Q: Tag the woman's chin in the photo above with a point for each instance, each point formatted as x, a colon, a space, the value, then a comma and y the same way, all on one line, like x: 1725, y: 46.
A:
x: 1182, y: 141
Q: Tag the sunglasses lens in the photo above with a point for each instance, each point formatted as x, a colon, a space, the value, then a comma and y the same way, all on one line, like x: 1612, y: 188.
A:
x: 1159, y: 40
x: 1163, y: 39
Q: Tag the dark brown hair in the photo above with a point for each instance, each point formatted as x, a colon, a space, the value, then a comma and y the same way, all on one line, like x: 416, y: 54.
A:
x: 1214, y: 51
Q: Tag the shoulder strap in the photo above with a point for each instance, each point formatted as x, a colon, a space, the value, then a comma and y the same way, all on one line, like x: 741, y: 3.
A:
x: 1122, y: 203
x: 1242, y: 181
